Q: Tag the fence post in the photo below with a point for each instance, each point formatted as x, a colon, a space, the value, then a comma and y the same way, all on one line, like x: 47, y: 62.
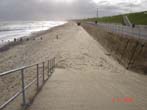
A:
x: 139, y: 33
x: 48, y: 68
x: 54, y: 64
x: 23, y: 88
x: 37, y: 77
x: 43, y: 71
x: 51, y: 66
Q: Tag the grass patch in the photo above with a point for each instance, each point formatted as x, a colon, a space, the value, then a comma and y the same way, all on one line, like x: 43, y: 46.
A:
x: 139, y: 18
x: 112, y: 19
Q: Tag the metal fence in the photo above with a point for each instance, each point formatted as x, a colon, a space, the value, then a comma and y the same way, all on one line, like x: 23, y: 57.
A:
x: 128, y: 52
x: 138, y: 31
x: 50, y: 69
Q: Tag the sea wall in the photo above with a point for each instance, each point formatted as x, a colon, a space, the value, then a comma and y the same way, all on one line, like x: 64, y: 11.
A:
x: 128, y: 51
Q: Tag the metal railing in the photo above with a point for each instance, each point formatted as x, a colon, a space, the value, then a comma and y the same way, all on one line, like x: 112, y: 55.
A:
x: 50, y: 70
x: 137, y: 32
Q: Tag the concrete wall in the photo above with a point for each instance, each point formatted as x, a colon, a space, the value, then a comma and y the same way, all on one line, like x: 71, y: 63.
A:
x: 130, y: 52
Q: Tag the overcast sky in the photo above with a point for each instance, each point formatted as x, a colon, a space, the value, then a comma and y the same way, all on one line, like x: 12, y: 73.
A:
x: 66, y: 9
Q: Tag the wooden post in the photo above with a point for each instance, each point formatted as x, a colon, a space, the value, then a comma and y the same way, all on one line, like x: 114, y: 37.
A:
x: 43, y: 71
x: 37, y: 77
x: 23, y: 88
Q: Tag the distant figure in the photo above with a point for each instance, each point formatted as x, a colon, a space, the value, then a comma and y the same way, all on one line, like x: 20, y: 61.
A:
x: 21, y: 39
x: 95, y: 22
x: 57, y: 37
x: 133, y: 25
x: 27, y: 39
x: 41, y: 38
x: 14, y: 39
x: 78, y: 23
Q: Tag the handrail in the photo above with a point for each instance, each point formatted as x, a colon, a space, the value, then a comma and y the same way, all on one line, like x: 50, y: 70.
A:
x: 17, y: 69
x: 51, y: 66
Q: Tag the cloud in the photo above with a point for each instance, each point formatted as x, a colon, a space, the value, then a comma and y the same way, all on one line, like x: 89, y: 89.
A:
x: 64, y: 9
x: 43, y: 9
x: 121, y: 6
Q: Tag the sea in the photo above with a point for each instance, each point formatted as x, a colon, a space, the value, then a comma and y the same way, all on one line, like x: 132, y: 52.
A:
x: 17, y: 29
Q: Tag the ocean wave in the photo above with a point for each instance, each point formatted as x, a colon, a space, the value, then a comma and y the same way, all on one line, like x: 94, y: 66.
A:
x: 11, y: 30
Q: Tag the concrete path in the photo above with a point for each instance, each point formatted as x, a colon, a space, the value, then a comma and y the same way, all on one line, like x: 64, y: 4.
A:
x: 87, y: 79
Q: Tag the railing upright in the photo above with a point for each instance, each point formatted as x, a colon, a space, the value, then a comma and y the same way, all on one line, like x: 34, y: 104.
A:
x: 51, y: 66
x: 23, y: 88
x: 54, y: 63
x: 48, y: 68
x: 22, y: 92
x: 43, y: 72
x: 37, y: 77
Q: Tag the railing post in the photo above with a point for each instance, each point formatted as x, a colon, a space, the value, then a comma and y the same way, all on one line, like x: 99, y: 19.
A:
x: 43, y: 71
x: 51, y: 66
x: 48, y: 68
x: 37, y: 77
x: 23, y: 88
x: 54, y: 63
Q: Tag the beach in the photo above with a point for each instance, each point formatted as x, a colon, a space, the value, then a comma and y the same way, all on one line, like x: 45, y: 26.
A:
x: 40, y: 47
x: 86, y: 77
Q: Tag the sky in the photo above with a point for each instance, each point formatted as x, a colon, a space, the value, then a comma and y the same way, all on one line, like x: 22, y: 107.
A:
x: 66, y: 9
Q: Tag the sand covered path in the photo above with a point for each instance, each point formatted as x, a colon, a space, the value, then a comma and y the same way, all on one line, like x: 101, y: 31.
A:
x: 87, y: 79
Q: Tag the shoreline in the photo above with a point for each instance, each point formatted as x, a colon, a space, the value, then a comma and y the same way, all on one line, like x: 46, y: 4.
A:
x: 26, y: 53
x: 31, y: 42
x: 9, y: 44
